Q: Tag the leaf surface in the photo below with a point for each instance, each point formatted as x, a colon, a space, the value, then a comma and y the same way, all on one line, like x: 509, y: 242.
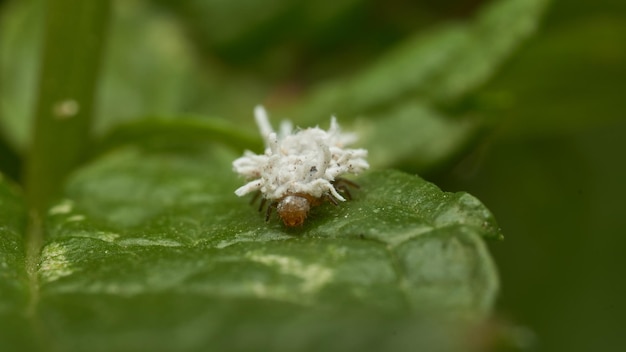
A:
x: 14, y: 281
x: 149, y: 241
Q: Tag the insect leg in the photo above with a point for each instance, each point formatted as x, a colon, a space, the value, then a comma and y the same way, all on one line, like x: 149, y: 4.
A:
x: 331, y: 199
x: 268, y: 212
x: 255, y: 197
x: 342, y: 184
x: 263, y: 201
x: 345, y: 182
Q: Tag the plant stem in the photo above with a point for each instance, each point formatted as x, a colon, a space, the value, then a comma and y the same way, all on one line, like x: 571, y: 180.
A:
x: 73, y: 45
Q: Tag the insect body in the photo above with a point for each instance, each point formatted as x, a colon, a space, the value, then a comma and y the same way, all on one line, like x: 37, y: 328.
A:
x: 294, y: 208
x: 299, y: 169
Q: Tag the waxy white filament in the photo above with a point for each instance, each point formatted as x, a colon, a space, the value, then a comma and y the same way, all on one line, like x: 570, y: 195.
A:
x: 302, y: 162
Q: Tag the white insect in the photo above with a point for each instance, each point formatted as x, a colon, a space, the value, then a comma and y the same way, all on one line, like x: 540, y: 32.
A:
x: 299, y: 169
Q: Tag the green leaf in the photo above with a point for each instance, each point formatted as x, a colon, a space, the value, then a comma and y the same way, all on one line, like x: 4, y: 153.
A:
x: 147, y: 68
x: 14, y: 281
x: 415, y: 136
x: 441, y: 64
x: 21, y: 24
x: 150, y: 248
x: 404, y: 92
x: 70, y: 62
x: 177, y: 132
x: 148, y: 241
x: 259, y: 31
x: 212, y: 25
x: 402, y: 101
x: 593, y: 76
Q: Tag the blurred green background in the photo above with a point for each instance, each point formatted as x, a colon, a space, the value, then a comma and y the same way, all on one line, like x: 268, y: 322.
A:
x: 549, y: 161
x: 553, y: 172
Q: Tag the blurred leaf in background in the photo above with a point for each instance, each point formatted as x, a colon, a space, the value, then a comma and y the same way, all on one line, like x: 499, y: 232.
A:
x: 358, y: 59
x: 147, y: 68
x: 553, y: 173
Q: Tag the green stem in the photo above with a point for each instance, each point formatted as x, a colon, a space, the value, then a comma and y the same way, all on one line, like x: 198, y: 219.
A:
x: 73, y: 45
